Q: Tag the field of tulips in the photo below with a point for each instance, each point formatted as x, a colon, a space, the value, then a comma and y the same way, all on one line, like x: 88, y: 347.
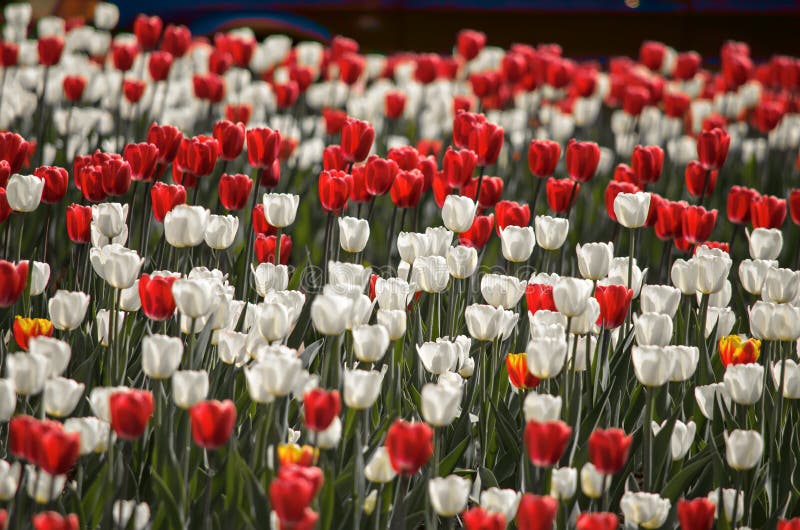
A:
x: 274, y: 284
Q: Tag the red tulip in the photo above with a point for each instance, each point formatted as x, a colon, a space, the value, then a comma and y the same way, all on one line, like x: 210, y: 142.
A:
x: 287, y: 147
x: 486, y: 140
x: 264, y: 246
x: 737, y: 68
x: 543, y: 157
x: 286, y: 94
x: 13, y: 279
x: 290, y: 496
x: 582, y: 159
x: 238, y: 113
x: 440, y: 188
x: 14, y: 149
x: 176, y: 40
x: 476, y: 518
x: 561, y: 194
x: 406, y: 157
x: 788, y: 524
x: 426, y: 68
x: 518, y: 374
x: 651, y: 54
x: 698, y: 514
x: 409, y: 445
x: 676, y: 104
x: 613, y: 189
x: 609, y: 448
x: 459, y: 166
x: 767, y: 212
x: 212, y: 422
x: 143, y: 160
x: 58, y: 450
x: 130, y: 411
x: 380, y: 175
x: 429, y: 147
x: 239, y: 47
x: 164, y: 197
x: 546, y: 442
x: 261, y: 226
x: 539, y: 296
x: 597, y: 521
x: 159, y: 64
x: 407, y: 188
x: 469, y: 43
x: 491, y: 190
x: 479, y: 233
x: 358, y: 185
x: 219, y: 61
x: 263, y: 145
x: 320, y: 408
x: 9, y: 54
x: 714, y: 121
x: 147, y: 30
x: 56, y: 180
x: 739, y: 201
x: 198, y: 155
x: 794, y: 205
x: 234, y: 191
x: 767, y: 115
x: 5, y: 208
x: 79, y: 220
x: 669, y: 219
x: 230, y: 137
x: 357, y: 138
x: 697, y: 224
x: 334, y: 190
x: 27, y: 328
x: 334, y: 120
x: 647, y: 163
x: 133, y: 89
x: 686, y: 65
x: 90, y: 180
x: 50, y: 48
x: 73, y: 87
x: 624, y: 173
x: 351, y: 66
x: 333, y: 158
x: 614, y: 302
x: 558, y: 72
x: 461, y: 104
x: 302, y: 75
x: 463, y: 125
x: 634, y: 99
x: 116, y: 176
x: 155, y: 293
x: 712, y: 148
x: 55, y: 521
x: 510, y: 213
x: 700, y: 181
x: 394, y: 103
x: 536, y: 512
x: 168, y: 140
x: 123, y: 55
x: 209, y: 87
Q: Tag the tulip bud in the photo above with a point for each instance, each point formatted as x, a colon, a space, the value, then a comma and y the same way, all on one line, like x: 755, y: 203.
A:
x: 61, y: 396
x: 661, y: 299
x: 353, y: 234
x: 193, y: 297
x: 361, y: 388
x: 684, y: 276
x: 594, y: 260
x: 124, y: 510
x: 117, y: 265
x: 441, y: 404
x: 631, y: 209
x: 781, y: 285
x: 483, y: 321
x: 744, y: 382
x: 570, y: 295
x: 189, y: 387
x: 462, y: 261
x: 551, y: 232
x: 28, y: 371
x: 448, y: 495
x: 161, y: 355
x: 431, y: 274
x: 370, y: 342
x: 24, y: 192
x: 280, y: 209
x: 185, y: 226
x: 647, y: 510
x: 517, y: 243
x: 765, y: 243
x: 681, y: 439
x: 458, y: 213
x: 220, y: 231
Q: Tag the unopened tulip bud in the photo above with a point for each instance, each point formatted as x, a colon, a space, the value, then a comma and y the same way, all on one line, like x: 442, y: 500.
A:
x: 448, y: 495
x: 441, y: 404
x: 765, y: 243
x: 462, y: 261
x: 551, y: 232
x: 189, y: 387
x: 744, y: 382
x: 353, y: 234
x: 631, y: 209
x: 458, y: 212
x: 517, y: 242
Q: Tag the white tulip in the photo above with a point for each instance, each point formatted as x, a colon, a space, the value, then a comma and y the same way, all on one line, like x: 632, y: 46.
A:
x: 743, y: 449
x: 280, y: 209
x: 791, y: 381
x: 430, y: 273
x: 117, y: 265
x: 370, y: 342
x: 270, y: 277
x: 193, y: 297
x: 631, y: 209
x: 393, y: 293
x: 189, y: 387
x: 458, y: 212
x: 24, y: 192
x: 9, y: 479
x: 440, y: 403
x: 185, y: 225
x: 41, y: 486
x: 106, y: 15
x: 729, y: 498
x: 684, y: 361
x: 61, y: 396
x: 744, y: 382
x: 653, y: 329
x: 40, y: 275
x: 99, y: 399
x: 712, y: 271
x: 517, y: 242
x: 662, y: 299
x: 546, y: 356
x: 448, y: 494
x: 353, y: 234
x: 780, y: 285
x: 542, y: 407
x: 231, y: 347
x: 8, y: 399
x: 103, y: 321
x: 502, y: 291
x: 681, y: 438
x: 551, y: 232
x: 765, y: 243
x: 571, y: 295
x: 161, y: 355
x: 652, y: 365
x: 462, y: 261
x: 438, y: 357
x: 361, y: 388
x: 483, y: 321
x: 647, y: 510
x: 28, y: 371
x: 57, y: 352
x: 412, y: 245
x: 504, y: 501
x: 379, y: 468
x: 123, y: 510
x: 221, y: 231
x: 684, y: 276
x: 329, y: 438
x: 329, y: 313
x: 440, y: 240
x: 563, y: 483
x: 721, y: 318
x: 592, y: 481
x: 753, y: 273
x: 109, y: 218
x: 594, y: 260
x: 67, y: 309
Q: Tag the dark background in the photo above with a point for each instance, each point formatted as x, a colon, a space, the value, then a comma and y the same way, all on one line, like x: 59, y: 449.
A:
x: 585, y: 28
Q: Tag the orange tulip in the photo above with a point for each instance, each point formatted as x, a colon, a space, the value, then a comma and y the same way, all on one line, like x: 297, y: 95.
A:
x: 27, y: 328
x: 734, y: 349
x: 518, y: 374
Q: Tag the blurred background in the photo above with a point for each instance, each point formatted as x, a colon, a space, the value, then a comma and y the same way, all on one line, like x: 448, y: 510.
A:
x: 585, y: 28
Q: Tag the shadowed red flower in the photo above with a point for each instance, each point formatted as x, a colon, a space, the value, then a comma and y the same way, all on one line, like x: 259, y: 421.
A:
x: 130, y: 411
x: 394, y: 103
x: 669, y: 219
x: 697, y: 224
x: 133, y: 89
x: 159, y: 64
x: 700, y: 182
x: 143, y: 160
x: 334, y: 120
x: 155, y: 293
x: 357, y: 138
x: 230, y: 136
x: 234, y: 191
x: 546, y: 441
x: 176, y: 40
x: 608, y: 449
x: 407, y: 188
x: 543, y: 157
x: 479, y: 233
x: 739, y: 201
x: 410, y: 446
x: 50, y: 49
x: 676, y: 104
x: 380, y: 175
x: 463, y: 125
x: 290, y: 496
x: 351, y: 66
x: 698, y: 514
x: 264, y: 246
x: 469, y: 43
x: 58, y: 450
x: 614, y: 188
x: 116, y: 176
x: 14, y: 149
x: 476, y: 518
x: 624, y: 173
x: 651, y: 54
x: 712, y: 148
x: 286, y: 94
x: 260, y: 224
x: 536, y: 512
x: 406, y: 156
x: 511, y: 213
x: 794, y: 205
x: 358, y: 185
x: 486, y: 140
x: 9, y: 54
x: 634, y: 98
x: 212, y: 422
x: 767, y: 211
x: 56, y: 180
x: 27, y: 328
x: 539, y: 296
x: 334, y: 190
x: 582, y: 159
x: 168, y: 140
x: 73, y: 87
x: 198, y: 155
x: 491, y: 191
x: 597, y: 521
x: 614, y: 302
x: 561, y: 194
x: 647, y: 163
x: 333, y: 158
x: 147, y: 30
x: 55, y: 521
x: 320, y: 408
x: 238, y: 113
x: 79, y: 223
x: 518, y: 374
x: 459, y: 166
x: 263, y: 145
x: 164, y: 197
x: 219, y: 61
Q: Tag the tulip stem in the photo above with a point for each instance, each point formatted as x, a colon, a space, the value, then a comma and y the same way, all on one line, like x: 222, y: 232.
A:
x: 647, y: 431
x: 536, y: 192
x: 390, y: 240
x: 738, y: 489
x: 326, y: 248
x: 278, y: 236
x: 779, y: 410
x: 701, y: 339
x: 249, y: 248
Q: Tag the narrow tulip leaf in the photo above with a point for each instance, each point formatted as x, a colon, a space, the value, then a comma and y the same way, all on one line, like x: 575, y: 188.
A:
x: 310, y: 353
x: 448, y: 463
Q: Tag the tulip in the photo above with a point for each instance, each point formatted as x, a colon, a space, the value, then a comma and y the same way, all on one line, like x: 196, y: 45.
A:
x: 732, y: 503
x: 614, y: 302
x: 185, y: 226
x: 712, y: 148
x: 212, y: 422
x: 438, y: 357
x: 791, y: 381
x: 392, y: 293
x: 448, y: 495
x: 483, y: 321
x: 518, y: 374
x: 407, y: 188
x: 477, y: 518
x: 193, y: 297
x: 394, y: 321
x: 571, y: 295
x: 379, y: 467
x: 273, y: 321
x: 647, y: 510
x: 652, y: 367
x: 370, y: 342
x: 684, y: 361
x: 357, y: 138
x: 653, y: 329
x: 320, y: 408
x: 234, y: 191
x: 361, y: 388
x: 327, y: 313
x: 117, y: 265
x: 733, y: 349
x: 78, y: 223
x: 765, y: 243
x: 744, y: 382
x: 431, y: 274
x: 479, y: 233
x: 458, y: 167
x: 697, y: 514
x: 280, y: 209
x: 458, y: 213
x: 551, y: 232
x: 501, y: 501
x: 61, y: 396
x: 561, y: 194
x: 546, y: 442
x: 123, y: 511
x: 273, y: 376
x: 608, y: 449
x: 28, y: 372
x: 189, y: 387
x: 26, y: 329
x: 161, y: 355
x: 594, y: 260
x: 661, y: 299
x: 743, y: 449
x: 462, y: 261
x: 353, y: 234
x: 220, y: 231
x: 546, y: 356
x: 24, y: 192
x: 130, y: 411
x: 502, y: 291
x: 712, y: 271
x: 164, y: 198
x: 781, y: 285
x: 67, y: 309
x: 681, y: 438
x: 409, y: 446
x: 543, y: 157
x: 631, y: 209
